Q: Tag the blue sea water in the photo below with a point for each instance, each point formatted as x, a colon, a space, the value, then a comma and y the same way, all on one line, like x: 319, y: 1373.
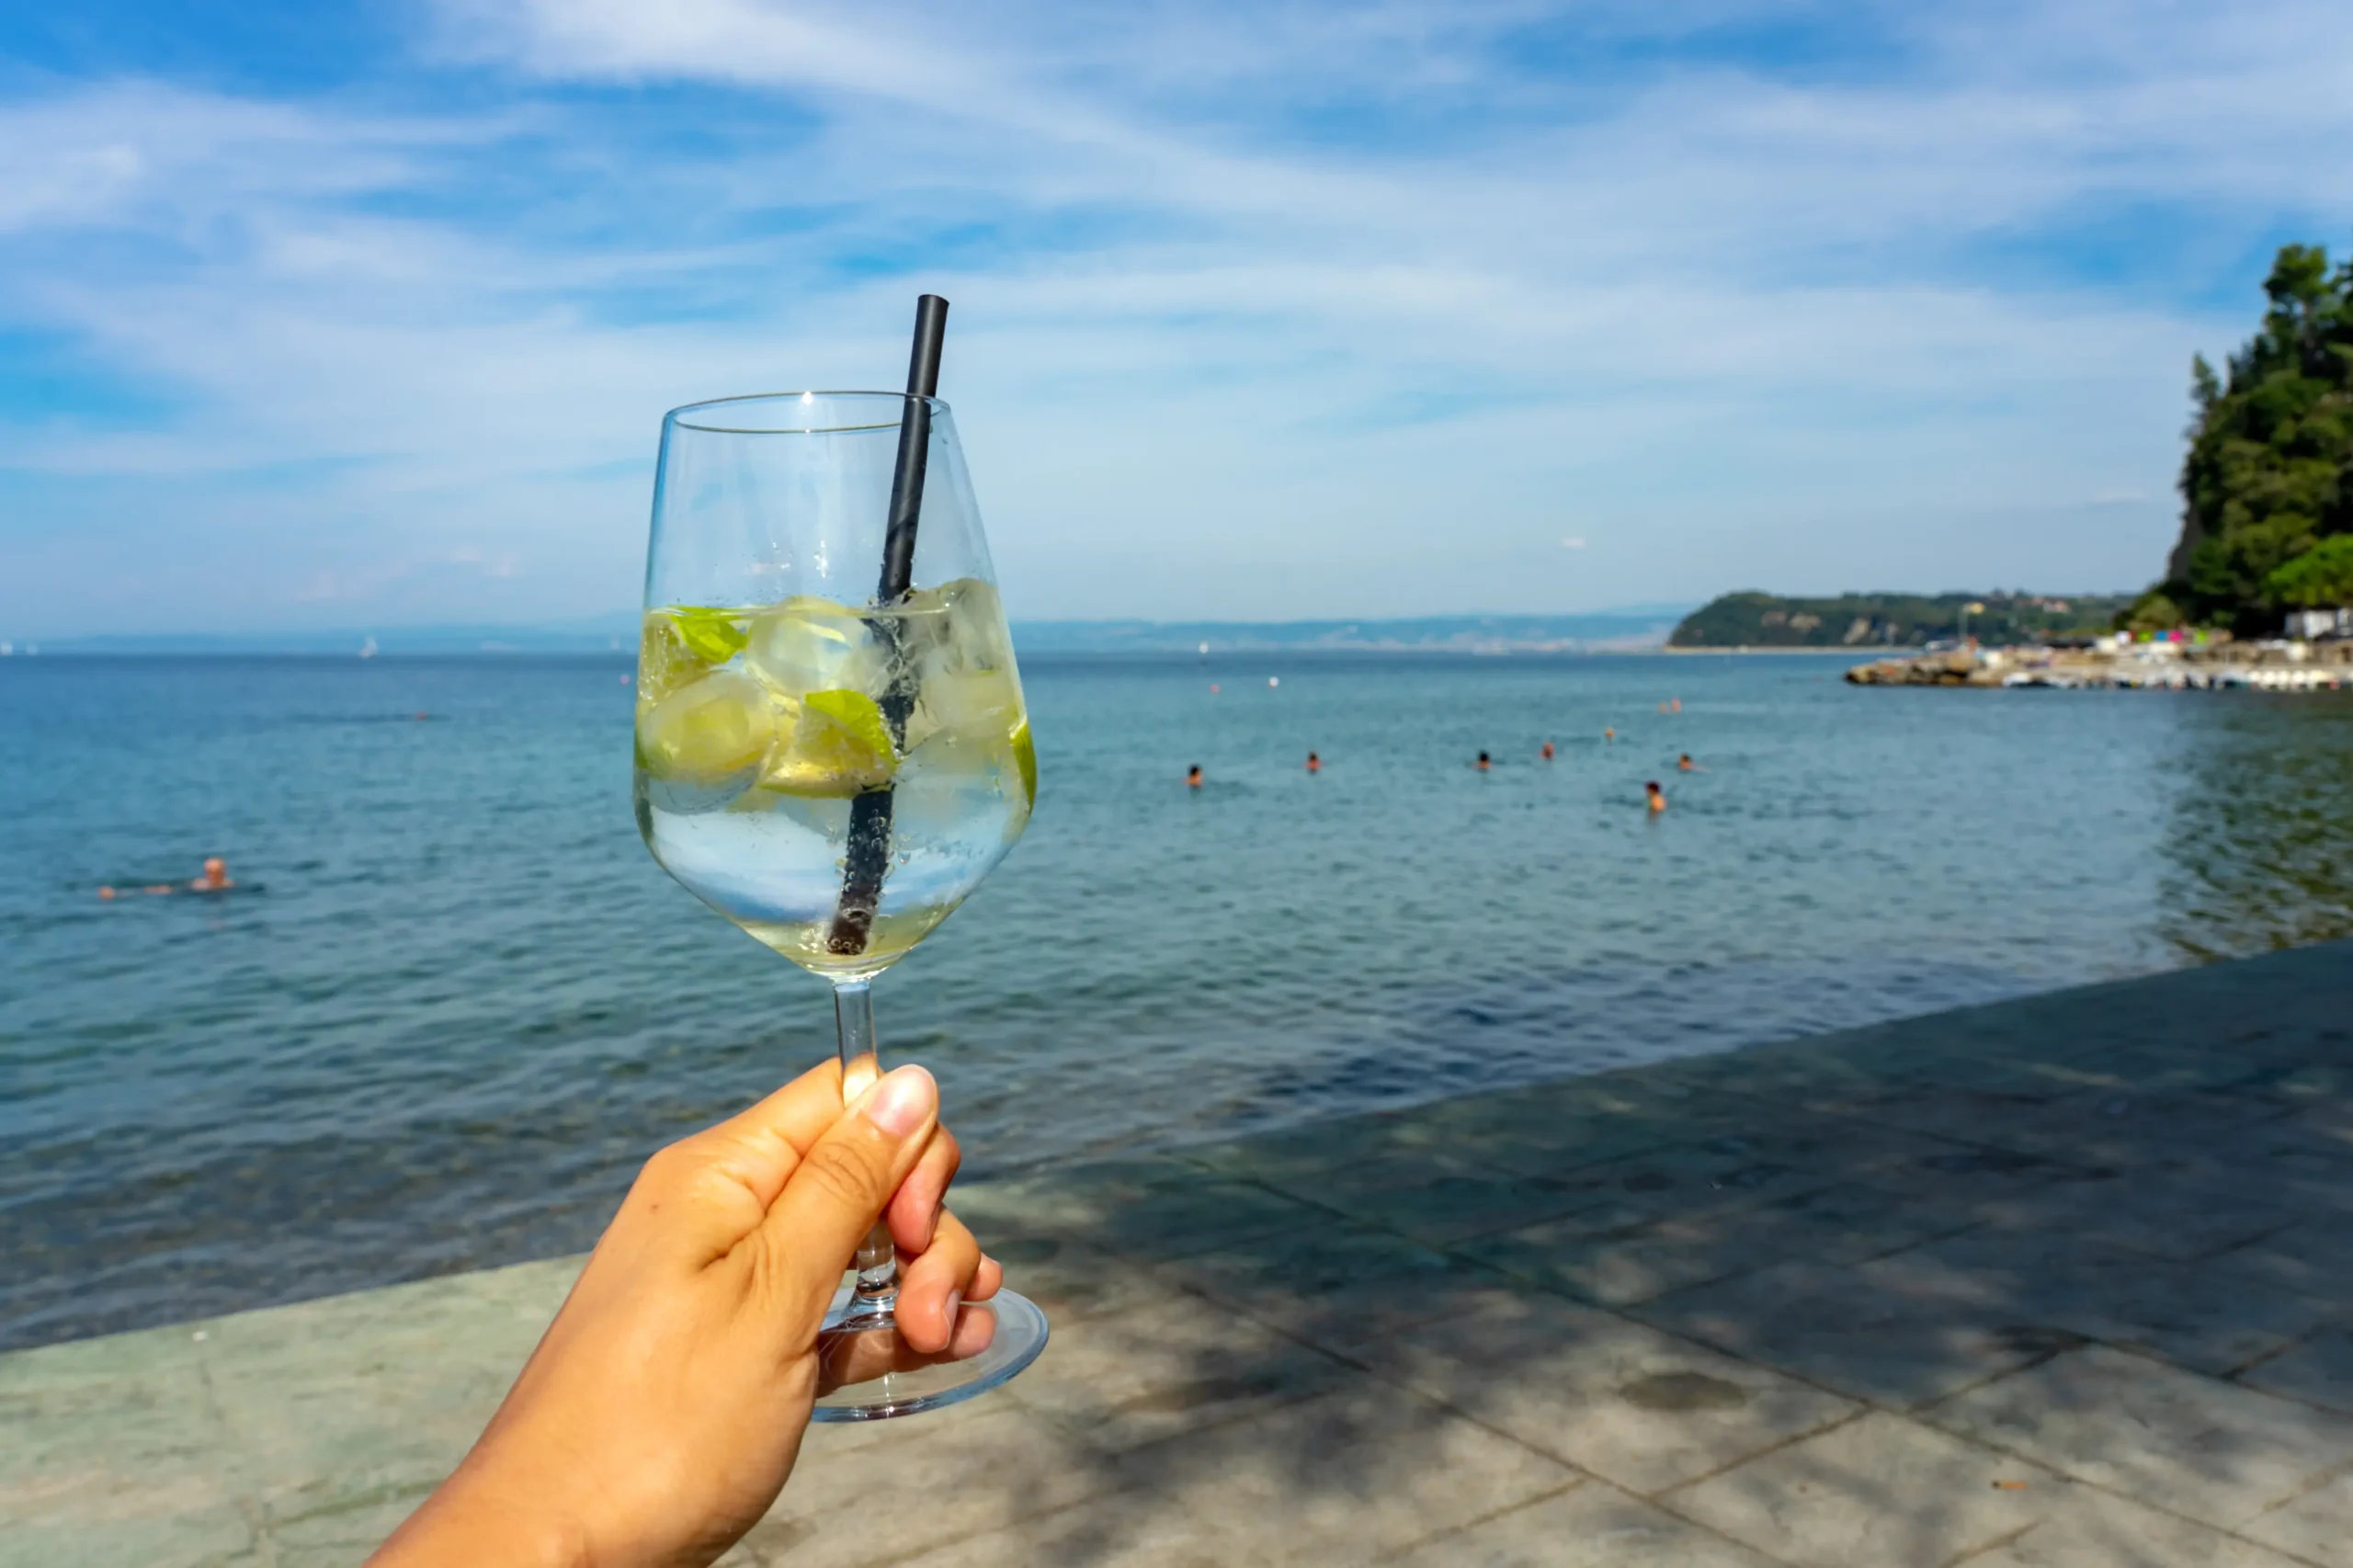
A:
x: 454, y: 1004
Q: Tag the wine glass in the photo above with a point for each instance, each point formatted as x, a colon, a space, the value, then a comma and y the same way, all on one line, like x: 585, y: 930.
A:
x: 832, y: 746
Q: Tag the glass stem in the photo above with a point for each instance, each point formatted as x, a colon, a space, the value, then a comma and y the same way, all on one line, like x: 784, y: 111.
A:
x: 878, y: 1261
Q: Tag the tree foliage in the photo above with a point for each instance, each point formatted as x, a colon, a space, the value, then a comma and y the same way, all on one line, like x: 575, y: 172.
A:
x: 1872, y: 620
x: 2320, y: 575
x: 2267, y: 486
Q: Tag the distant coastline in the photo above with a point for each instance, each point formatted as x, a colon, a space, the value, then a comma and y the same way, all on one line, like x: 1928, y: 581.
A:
x: 1885, y: 622
x: 1629, y: 628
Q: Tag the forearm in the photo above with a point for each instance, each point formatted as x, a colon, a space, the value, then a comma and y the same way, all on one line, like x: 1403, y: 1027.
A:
x: 472, y: 1521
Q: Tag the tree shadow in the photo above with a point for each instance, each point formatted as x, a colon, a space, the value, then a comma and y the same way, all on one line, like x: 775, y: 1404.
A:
x: 1997, y: 1287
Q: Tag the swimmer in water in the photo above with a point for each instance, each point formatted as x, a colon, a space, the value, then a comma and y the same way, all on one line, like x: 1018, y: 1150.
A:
x: 1193, y: 776
x: 216, y: 878
x: 1656, y: 796
x: 1685, y: 765
x: 1314, y: 763
x: 1610, y: 737
x: 1548, y: 751
x: 1674, y: 705
x: 1483, y: 763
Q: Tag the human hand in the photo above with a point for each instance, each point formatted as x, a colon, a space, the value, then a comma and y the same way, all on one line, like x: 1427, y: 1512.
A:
x: 659, y: 1417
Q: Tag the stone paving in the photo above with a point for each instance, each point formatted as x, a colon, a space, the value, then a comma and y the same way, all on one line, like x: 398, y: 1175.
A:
x: 2060, y: 1283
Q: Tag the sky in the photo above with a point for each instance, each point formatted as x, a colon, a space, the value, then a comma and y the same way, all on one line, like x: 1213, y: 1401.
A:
x: 321, y: 317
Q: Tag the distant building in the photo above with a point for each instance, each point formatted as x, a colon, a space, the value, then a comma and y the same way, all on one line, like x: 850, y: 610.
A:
x: 2308, y: 624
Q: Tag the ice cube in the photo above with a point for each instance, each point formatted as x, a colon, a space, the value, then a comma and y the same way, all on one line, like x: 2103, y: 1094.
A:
x: 807, y: 644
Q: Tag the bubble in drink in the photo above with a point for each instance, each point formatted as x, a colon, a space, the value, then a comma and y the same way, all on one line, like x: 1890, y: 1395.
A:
x: 759, y: 725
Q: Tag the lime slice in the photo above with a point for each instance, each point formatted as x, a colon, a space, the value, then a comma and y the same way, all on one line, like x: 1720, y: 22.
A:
x: 680, y: 645
x: 841, y: 746
x: 716, y: 635
x: 708, y: 730
x: 1024, y: 757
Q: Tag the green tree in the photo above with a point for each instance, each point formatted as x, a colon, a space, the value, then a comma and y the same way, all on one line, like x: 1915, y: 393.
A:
x: 2320, y: 575
x: 2269, y: 472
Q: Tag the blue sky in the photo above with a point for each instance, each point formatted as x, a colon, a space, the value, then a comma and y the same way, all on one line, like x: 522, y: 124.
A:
x: 317, y: 317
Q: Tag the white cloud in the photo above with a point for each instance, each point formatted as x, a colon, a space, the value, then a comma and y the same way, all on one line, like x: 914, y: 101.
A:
x: 1209, y: 356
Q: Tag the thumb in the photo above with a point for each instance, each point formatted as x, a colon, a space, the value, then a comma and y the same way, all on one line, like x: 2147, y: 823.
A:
x: 845, y: 1181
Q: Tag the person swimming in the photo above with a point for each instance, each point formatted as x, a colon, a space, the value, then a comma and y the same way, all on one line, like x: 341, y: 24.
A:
x: 1683, y: 763
x: 1655, y: 796
x: 1610, y: 737
x: 215, y: 879
x: 1314, y: 763
x: 1547, y: 753
x: 1193, y: 776
x: 1674, y: 705
x: 1483, y: 763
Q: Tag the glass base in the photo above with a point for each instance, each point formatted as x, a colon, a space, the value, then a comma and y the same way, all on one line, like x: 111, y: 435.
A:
x: 914, y: 1381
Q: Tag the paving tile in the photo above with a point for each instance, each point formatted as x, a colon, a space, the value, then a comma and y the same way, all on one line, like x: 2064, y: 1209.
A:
x: 1893, y: 1339
x: 1833, y: 1146
x: 2317, y: 1371
x: 2276, y: 1161
x: 1684, y: 1182
x: 1117, y: 1382
x: 2193, y: 1445
x: 1353, y: 1321
x: 2315, y: 1258
x: 1319, y: 1147
x: 2165, y: 1219
x: 1877, y: 1493
x: 2130, y: 1128
x: 1336, y: 1286
x: 1070, y: 1281
x: 2329, y: 1121
x: 1635, y: 1407
x: 2216, y: 1315
x: 338, y: 1536
x: 2316, y: 1526
x: 1437, y: 1199
x: 1356, y: 1474
x: 114, y: 1452
x: 1983, y: 1116
x: 366, y: 1401
x: 1171, y: 1215
x: 1841, y: 1223
x: 1586, y: 1526
x: 842, y: 1508
x: 1977, y: 1179
x: 2090, y: 1530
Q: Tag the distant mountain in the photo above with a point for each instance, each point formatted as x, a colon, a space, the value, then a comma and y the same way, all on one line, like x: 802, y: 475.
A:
x: 1633, y: 627
x: 1863, y: 621
x: 602, y: 633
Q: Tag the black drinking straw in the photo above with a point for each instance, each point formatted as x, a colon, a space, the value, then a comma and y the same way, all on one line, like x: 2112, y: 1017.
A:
x: 868, y: 858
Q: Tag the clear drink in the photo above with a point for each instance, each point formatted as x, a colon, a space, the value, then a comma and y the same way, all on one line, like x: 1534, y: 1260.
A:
x: 759, y: 727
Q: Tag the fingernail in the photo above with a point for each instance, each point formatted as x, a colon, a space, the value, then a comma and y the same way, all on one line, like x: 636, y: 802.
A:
x: 955, y: 1311
x: 901, y: 1101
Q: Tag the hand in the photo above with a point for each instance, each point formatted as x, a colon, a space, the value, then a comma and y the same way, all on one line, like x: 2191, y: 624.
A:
x: 659, y: 1417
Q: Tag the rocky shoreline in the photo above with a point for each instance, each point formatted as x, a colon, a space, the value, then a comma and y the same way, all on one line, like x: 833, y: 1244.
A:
x: 2261, y: 666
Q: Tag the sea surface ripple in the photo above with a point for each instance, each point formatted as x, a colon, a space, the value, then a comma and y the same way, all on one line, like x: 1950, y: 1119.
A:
x: 456, y: 1004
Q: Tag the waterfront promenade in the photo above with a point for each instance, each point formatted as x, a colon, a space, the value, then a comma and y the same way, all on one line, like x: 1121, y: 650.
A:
x: 2065, y: 1283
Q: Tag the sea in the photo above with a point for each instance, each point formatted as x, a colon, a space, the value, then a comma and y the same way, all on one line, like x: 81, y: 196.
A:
x: 453, y: 1004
